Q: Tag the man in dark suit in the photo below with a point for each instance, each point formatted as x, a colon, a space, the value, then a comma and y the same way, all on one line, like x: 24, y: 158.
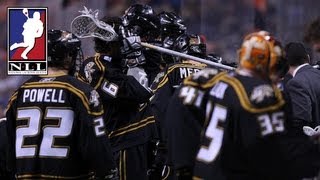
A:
x: 303, y: 89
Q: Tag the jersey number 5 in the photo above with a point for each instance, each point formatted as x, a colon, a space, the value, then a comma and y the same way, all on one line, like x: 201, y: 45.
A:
x: 50, y: 132
x: 214, y: 132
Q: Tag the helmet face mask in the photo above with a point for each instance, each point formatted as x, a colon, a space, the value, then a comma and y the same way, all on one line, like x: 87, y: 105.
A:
x: 190, y: 44
x: 261, y: 53
x: 64, y: 51
x: 141, y: 20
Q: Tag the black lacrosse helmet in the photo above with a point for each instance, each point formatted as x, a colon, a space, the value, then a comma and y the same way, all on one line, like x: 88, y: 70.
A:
x: 142, y: 21
x: 172, y: 25
x: 64, y: 51
x: 190, y: 44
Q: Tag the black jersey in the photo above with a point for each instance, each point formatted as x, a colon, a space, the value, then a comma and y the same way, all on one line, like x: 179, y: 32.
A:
x: 244, y: 134
x: 184, y: 121
x: 164, y: 85
x: 56, y: 130
x: 244, y: 118
x: 121, y: 95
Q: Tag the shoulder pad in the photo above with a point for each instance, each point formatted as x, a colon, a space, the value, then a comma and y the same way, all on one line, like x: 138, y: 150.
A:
x: 258, y: 98
x: 92, y: 71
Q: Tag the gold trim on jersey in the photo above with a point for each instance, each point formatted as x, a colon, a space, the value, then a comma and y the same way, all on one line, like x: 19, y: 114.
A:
x: 79, y: 76
x: 101, y: 67
x: 196, y: 178
x: 120, y: 165
x: 124, y: 165
x: 170, y: 69
x: 209, y: 83
x: 244, y: 99
x: 144, y: 105
x: 54, y: 75
x: 67, y: 86
x: 241, y: 92
x: 132, y: 127
x: 36, y: 176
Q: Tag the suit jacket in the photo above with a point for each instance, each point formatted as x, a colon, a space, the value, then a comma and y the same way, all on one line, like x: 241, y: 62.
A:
x: 304, y: 93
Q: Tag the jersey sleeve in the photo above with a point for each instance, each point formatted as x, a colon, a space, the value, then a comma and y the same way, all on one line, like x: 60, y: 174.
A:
x: 91, y: 72
x: 127, y: 89
x: 94, y: 143
x: 112, y: 83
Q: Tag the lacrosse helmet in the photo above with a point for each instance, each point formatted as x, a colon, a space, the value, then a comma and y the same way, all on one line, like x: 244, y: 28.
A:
x: 190, y: 44
x: 262, y: 54
x: 64, y: 51
x: 171, y: 25
x: 142, y: 21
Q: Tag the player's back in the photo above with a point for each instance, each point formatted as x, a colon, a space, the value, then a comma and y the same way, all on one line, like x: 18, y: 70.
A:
x: 174, y: 74
x: 122, y: 95
x: 245, y: 122
x: 50, y: 123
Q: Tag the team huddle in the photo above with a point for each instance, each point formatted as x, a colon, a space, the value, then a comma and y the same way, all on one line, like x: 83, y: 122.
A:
x: 131, y: 112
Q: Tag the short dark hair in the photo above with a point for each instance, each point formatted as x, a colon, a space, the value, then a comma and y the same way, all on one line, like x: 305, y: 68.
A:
x: 296, y: 54
x: 313, y: 31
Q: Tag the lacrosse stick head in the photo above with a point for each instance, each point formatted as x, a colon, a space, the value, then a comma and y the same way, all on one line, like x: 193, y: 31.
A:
x: 25, y: 12
x: 88, y: 25
x: 110, y: 47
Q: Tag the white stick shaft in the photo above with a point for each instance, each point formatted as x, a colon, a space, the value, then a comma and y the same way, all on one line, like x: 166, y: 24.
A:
x: 175, y: 53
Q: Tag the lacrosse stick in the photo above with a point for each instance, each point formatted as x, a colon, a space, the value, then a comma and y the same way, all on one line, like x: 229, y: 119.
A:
x: 186, y: 56
x: 88, y: 25
x: 25, y: 12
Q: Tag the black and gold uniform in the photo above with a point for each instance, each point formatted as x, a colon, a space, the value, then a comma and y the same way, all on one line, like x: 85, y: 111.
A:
x: 232, y: 125
x: 164, y: 86
x: 121, y: 95
x: 56, y: 130
x: 166, y: 82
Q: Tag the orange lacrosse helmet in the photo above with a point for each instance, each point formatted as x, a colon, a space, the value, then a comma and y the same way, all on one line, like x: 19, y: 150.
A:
x: 262, y: 54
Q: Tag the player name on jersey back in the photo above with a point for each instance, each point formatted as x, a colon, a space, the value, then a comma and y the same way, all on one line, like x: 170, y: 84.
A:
x: 187, y: 71
x: 44, y: 95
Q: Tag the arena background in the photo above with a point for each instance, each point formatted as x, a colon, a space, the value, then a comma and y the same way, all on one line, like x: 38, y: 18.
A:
x: 223, y: 23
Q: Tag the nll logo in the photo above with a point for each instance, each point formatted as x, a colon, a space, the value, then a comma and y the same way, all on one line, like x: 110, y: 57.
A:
x: 27, y: 41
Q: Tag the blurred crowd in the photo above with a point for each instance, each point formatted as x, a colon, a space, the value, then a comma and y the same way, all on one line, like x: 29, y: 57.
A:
x: 221, y: 22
